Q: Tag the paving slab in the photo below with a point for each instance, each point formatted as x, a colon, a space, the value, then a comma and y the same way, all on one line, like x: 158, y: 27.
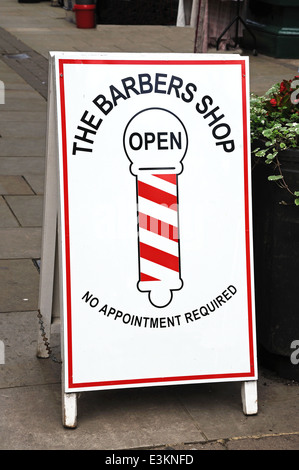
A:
x: 22, y: 116
x: 108, y: 420
x: 7, y: 218
x: 19, y: 280
x: 24, y: 129
x: 19, y: 94
x: 21, y: 165
x: 36, y: 182
x: 19, y: 332
x: 202, y: 402
x: 195, y: 446
x: 30, y: 69
x: 28, y: 210
x: 13, y: 104
x: 265, y: 72
x: 22, y: 147
x: 279, y: 442
x: 21, y: 242
x: 275, y: 442
x: 11, y: 79
x: 16, y: 185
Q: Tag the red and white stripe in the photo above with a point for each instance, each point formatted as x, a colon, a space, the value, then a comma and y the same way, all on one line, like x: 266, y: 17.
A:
x: 159, y: 261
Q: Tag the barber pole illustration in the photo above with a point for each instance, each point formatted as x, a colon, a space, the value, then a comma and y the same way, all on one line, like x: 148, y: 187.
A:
x: 156, y: 141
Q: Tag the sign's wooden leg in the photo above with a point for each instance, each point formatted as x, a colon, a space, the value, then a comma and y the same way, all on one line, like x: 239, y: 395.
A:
x: 69, y: 410
x: 49, y: 236
x: 249, y: 397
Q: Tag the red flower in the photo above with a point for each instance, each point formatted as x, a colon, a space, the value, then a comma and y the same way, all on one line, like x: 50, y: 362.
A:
x: 273, y: 102
x: 282, y: 87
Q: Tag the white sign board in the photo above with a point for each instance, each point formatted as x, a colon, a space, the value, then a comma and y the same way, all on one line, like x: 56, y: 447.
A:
x: 155, y: 219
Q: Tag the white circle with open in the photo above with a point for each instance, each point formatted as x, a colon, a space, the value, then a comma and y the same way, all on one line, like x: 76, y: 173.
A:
x: 155, y: 139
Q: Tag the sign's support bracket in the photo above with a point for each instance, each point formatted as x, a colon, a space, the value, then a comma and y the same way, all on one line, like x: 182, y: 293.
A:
x: 48, y: 287
x: 50, y: 282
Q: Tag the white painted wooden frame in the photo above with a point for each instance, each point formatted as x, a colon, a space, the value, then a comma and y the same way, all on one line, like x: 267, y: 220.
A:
x: 47, y: 293
x: 50, y: 300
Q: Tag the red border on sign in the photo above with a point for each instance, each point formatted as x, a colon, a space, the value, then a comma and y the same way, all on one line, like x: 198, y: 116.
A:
x: 157, y: 380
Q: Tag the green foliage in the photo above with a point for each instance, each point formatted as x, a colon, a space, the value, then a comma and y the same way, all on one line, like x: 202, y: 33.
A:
x: 275, y: 123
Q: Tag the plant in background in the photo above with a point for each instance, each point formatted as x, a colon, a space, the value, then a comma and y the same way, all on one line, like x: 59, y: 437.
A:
x: 275, y: 125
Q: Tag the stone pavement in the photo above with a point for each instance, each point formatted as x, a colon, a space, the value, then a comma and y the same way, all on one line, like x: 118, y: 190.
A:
x: 207, y: 416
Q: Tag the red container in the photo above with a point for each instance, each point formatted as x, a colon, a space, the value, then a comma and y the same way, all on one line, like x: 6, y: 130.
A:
x: 85, y: 16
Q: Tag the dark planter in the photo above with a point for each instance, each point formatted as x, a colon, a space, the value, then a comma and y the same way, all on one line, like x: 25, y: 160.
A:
x: 276, y: 256
x: 275, y: 26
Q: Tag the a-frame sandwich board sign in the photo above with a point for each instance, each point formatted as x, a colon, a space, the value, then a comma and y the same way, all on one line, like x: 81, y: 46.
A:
x: 148, y: 209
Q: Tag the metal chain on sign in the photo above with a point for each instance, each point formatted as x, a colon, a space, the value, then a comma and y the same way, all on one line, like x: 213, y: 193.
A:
x: 45, y: 339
